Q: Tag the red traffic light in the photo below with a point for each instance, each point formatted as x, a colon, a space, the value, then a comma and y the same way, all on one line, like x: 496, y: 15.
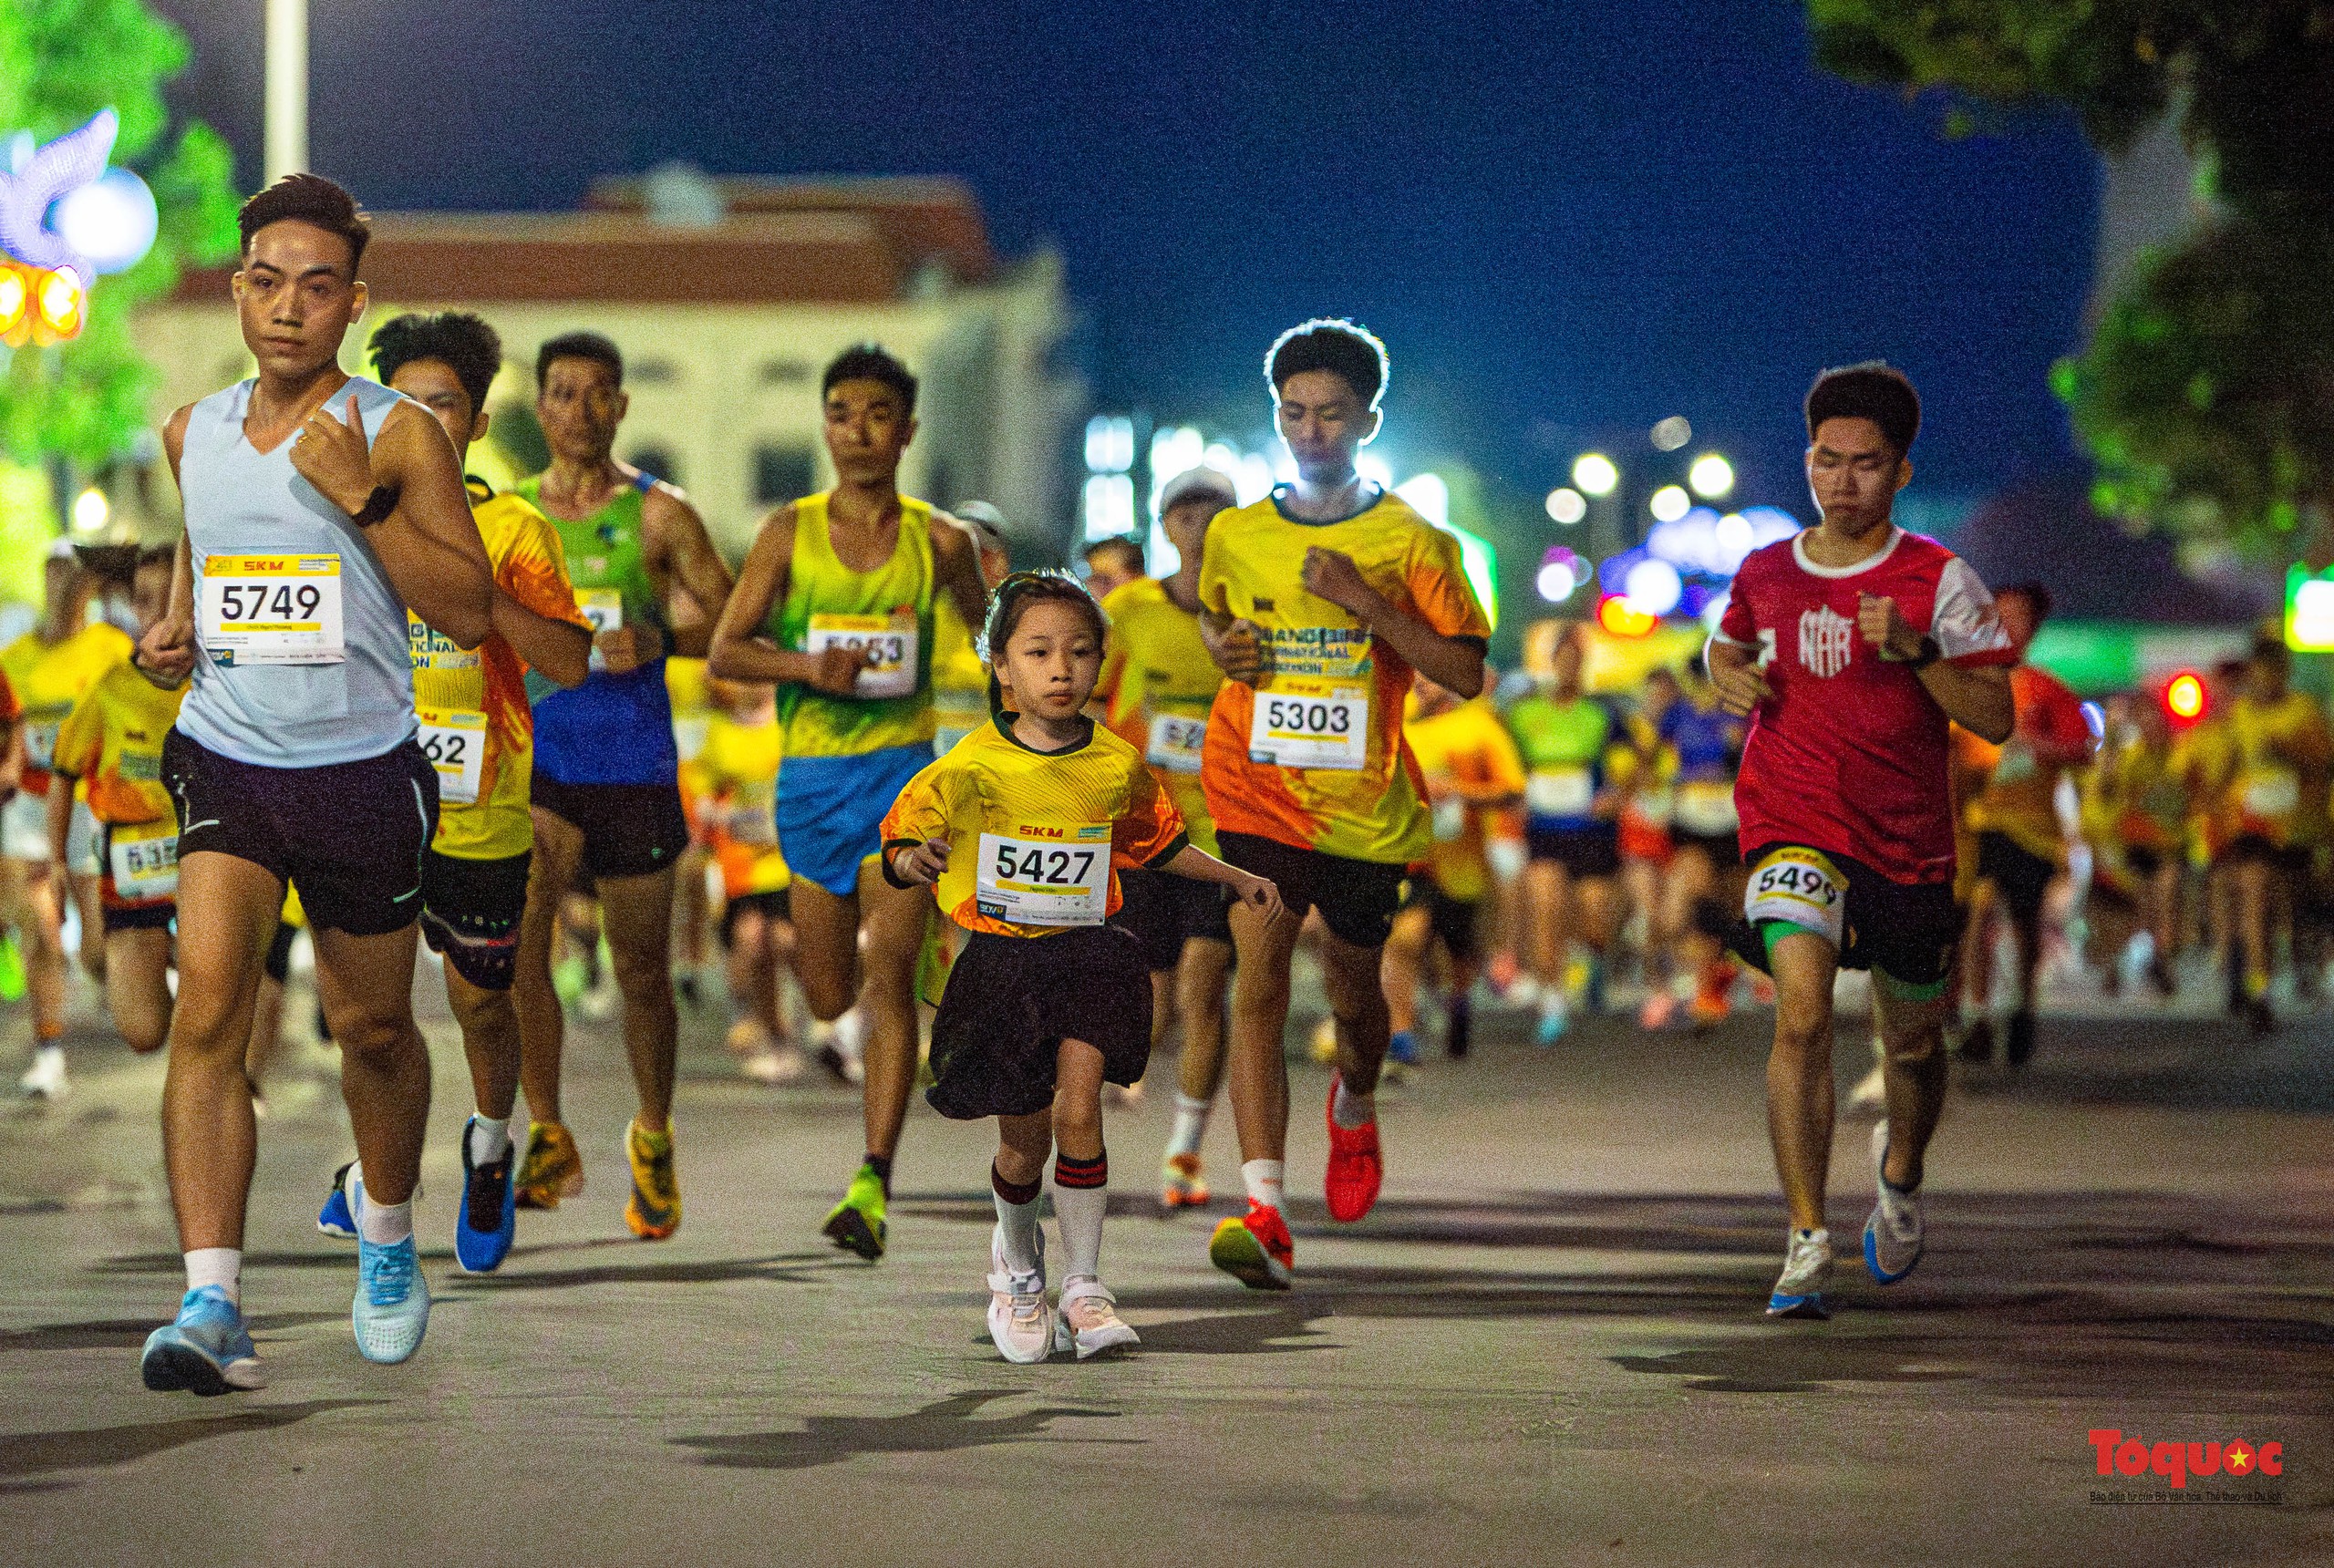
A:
x: 2184, y: 699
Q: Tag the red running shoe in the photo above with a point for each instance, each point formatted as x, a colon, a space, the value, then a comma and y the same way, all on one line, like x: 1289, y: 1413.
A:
x: 1254, y: 1249
x: 1355, y: 1169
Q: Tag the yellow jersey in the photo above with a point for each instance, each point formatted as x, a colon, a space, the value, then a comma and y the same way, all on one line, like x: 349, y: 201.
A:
x: 887, y: 611
x: 1036, y: 839
x: 1470, y: 767
x: 1313, y: 754
x: 50, y: 678
x: 737, y: 773
x: 476, y: 726
x: 2279, y: 754
x: 1161, y: 685
x: 112, y: 742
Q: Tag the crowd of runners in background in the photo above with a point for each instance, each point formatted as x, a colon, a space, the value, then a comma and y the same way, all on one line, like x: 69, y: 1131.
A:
x: 1003, y: 837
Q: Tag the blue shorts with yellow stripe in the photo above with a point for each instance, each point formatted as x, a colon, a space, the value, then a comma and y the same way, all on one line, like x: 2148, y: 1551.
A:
x: 830, y: 813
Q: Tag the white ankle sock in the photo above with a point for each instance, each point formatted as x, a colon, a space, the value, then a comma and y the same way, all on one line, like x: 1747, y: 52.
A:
x: 1017, y: 1224
x: 47, y: 1053
x: 489, y: 1138
x: 1351, y: 1111
x: 222, y: 1267
x: 1263, y: 1179
x: 1191, y: 1124
x: 383, y: 1224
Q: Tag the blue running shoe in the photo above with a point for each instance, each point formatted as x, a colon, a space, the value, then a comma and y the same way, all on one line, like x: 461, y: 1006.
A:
x: 1892, y: 1237
x: 1403, y: 1049
x: 391, y: 1310
x: 1799, y: 1292
x: 335, y: 1218
x: 206, y: 1351
x: 489, y: 1211
x: 1554, y: 1018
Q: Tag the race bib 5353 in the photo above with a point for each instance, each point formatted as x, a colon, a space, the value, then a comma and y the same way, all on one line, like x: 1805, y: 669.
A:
x: 889, y: 645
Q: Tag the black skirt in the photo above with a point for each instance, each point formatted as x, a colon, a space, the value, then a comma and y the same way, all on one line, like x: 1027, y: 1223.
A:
x: 1012, y: 1000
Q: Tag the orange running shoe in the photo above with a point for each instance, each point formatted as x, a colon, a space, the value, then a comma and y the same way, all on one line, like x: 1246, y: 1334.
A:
x: 1254, y: 1249
x: 552, y: 1169
x: 1181, y: 1183
x: 653, y: 1210
x: 1356, y: 1169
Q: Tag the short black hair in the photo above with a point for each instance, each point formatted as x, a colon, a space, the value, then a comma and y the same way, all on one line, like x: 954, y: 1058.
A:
x: 871, y: 362
x: 1120, y: 544
x: 1874, y: 390
x: 2037, y: 597
x: 1335, y: 343
x: 307, y: 198
x: 591, y: 346
x: 466, y: 346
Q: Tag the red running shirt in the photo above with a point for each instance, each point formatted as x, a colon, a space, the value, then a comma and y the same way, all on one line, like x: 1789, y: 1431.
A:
x: 1851, y: 754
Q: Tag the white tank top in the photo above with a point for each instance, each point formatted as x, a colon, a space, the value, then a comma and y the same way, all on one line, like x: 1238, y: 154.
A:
x: 241, y: 502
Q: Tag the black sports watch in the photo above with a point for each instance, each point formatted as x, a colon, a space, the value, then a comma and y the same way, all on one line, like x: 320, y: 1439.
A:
x: 378, y: 506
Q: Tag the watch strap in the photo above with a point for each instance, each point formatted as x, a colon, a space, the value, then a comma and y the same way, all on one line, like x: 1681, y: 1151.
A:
x: 378, y: 506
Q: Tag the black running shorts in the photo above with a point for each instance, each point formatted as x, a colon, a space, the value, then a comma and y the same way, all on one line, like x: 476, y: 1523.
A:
x: 1357, y: 898
x: 349, y: 835
x: 2018, y: 873
x: 1011, y: 1001
x: 1453, y: 919
x: 1906, y: 931
x: 629, y: 830
x: 1165, y: 911
x: 470, y: 912
x: 1589, y: 852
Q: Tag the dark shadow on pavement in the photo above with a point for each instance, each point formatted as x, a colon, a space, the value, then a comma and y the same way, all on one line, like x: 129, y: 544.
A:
x: 944, y: 1425
x: 122, y: 1333
x: 91, y: 1448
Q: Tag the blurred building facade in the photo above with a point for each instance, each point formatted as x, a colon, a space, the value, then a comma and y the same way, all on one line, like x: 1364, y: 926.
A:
x: 727, y: 297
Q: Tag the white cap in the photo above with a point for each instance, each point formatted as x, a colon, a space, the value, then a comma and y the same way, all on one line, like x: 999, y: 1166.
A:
x: 985, y: 519
x: 1199, y: 481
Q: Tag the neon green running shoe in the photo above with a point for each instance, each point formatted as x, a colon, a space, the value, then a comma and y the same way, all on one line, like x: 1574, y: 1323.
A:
x: 856, y: 1224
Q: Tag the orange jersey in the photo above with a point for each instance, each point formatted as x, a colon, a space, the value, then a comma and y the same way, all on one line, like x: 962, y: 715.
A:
x: 1313, y: 754
x: 1036, y: 839
x: 1471, y: 768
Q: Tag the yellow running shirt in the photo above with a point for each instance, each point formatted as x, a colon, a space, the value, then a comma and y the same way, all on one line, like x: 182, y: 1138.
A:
x: 49, y: 680
x: 737, y: 770
x: 476, y: 726
x: 1161, y: 684
x: 2276, y: 787
x: 1313, y: 757
x: 959, y: 679
x: 112, y: 742
x: 1036, y: 839
x: 887, y: 611
x: 1471, y: 766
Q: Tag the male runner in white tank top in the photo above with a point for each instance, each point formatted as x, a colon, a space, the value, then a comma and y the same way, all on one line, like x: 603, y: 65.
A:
x: 319, y: 508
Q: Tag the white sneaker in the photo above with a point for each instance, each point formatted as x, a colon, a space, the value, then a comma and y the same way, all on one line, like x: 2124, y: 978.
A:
x: 1019, y: 1320
x: 1870, y: 1094
x: 1807, y: 1264
x: 1088, y: 1321
x: 44, y: 1079
x: 1892, y: 1237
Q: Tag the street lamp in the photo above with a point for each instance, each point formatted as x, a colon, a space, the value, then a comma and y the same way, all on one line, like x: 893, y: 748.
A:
x: 1711, y: 476
x: 286, y: 151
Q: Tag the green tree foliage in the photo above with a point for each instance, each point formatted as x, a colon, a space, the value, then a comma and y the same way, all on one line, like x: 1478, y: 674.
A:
x: 2207, y: 392
x: 61, y: 61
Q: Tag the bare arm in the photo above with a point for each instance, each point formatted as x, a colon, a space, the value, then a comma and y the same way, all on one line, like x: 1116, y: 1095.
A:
x: 561, y: 651
x: 1453, y: 663
x: 957, y: 566
x: 682, y: 552
x: 1253, y: 890
x: 1235, y: 646
x: 429, y: 544
x: 1735, y: 676
x: 60, y: 815
x: 739, y: 651
x: 165, y: 655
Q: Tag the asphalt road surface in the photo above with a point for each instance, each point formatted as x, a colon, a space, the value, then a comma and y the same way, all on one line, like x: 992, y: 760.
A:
x: 1545, y: 1346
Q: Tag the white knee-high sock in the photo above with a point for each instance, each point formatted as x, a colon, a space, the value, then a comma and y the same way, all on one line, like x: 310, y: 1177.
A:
x: 1017, y: 1221
x: 1191, y: 1124
x: 1081, y: 1195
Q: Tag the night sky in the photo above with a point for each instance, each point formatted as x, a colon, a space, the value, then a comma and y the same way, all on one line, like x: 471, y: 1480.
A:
x: 1568, y: 220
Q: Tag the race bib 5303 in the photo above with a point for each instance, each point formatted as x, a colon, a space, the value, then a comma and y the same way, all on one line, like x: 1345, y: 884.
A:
x: 1308, y: 721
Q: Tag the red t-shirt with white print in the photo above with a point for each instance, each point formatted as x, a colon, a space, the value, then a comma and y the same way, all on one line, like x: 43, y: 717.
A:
x: 1851, y: 754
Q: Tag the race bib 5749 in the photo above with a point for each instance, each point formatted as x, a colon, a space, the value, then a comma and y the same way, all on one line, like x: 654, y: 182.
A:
x: 272, y: 609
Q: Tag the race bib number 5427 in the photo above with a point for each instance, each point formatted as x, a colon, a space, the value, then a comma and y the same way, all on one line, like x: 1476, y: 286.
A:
x: 1046, y: 876
x: 1801, y: 886
x: 272, y: 609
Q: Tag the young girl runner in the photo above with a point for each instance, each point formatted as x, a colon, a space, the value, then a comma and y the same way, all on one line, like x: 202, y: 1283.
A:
x: 1021, y: 828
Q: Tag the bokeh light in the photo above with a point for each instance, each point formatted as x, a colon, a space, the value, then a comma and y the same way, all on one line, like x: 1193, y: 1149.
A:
x: 2184, y: 697
x: 1672, y: 433
x: 1653, y: 587
x: 1567, y: 505
x: 1556, y: 583
x: 1670, y: 503
x: 1711, y: 476
x: 1592, y: 474
x: 1622, y: 619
